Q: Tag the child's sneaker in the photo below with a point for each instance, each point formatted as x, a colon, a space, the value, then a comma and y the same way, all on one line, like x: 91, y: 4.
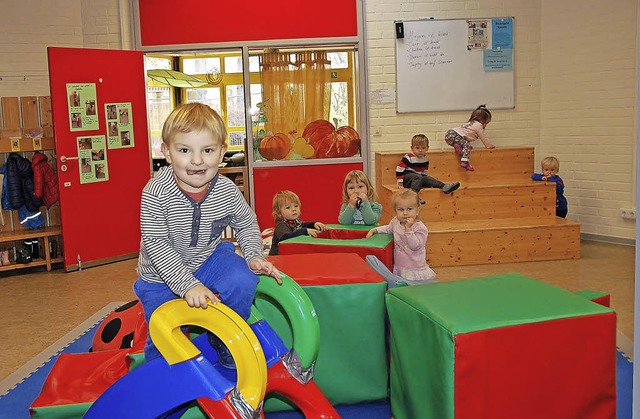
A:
x: 450, y: 187
x: 23, y: 255
x: 458, y: 149
x: 224, y: 356
x: 467, y: 166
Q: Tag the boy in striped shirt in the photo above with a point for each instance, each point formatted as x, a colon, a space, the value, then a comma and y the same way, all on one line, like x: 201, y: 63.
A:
x: 411, y: 172
x: 184, y: 210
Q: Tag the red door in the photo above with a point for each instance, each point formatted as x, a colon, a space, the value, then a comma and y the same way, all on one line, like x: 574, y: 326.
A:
x: 100, y: 217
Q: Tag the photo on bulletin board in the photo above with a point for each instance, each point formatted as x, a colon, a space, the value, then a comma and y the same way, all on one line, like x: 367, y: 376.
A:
x: 92, y: 157
x: 82, y: 106
x: 119, y: 125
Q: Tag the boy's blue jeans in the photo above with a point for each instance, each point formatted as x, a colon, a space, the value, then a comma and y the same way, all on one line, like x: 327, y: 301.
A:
x: 224, y: 272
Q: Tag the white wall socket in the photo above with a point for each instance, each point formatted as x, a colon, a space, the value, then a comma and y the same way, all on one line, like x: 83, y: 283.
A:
x: 628, y: 213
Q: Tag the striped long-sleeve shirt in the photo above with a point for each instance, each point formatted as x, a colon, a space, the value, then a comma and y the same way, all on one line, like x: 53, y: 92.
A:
x: 410, y: 163
x: 179, y: 234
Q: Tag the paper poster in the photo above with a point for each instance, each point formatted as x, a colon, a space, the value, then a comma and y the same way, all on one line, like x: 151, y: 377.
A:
x: 477, y: 36
x: 502, y: 33
x: 92, y: 157
x: 119, y: 125
x: 382, y: 96
x: 83, y: 106
x: 498, y: 59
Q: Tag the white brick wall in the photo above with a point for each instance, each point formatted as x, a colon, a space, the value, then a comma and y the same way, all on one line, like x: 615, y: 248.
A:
x: 101, y: 24
x: 588, y: 108
x: 28, y: 27
x: 575, y: 86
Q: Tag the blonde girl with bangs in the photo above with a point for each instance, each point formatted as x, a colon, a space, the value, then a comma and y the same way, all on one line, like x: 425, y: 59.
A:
x: 358, y: 200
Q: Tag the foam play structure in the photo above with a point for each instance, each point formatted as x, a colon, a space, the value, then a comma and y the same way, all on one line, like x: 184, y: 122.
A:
x: 342, y: 239
x: 207, y: 389
x: 492, y: 347
x: 154, y: 383
x: 503, y: 346
x: 124, y: 328
x: 348, y: 297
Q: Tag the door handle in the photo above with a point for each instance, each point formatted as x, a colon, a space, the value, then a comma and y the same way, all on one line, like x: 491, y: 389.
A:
x: 63, y: 159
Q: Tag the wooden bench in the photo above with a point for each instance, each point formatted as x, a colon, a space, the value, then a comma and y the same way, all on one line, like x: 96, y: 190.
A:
x: 497, y: 215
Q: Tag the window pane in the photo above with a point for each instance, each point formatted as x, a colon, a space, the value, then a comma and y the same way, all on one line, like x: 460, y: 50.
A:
x: 233, y: 64
x: 157, y: 63
x: 200, y: 65
x: 235, y: 105
x: 339, y: 104
x: 159, y: 109
x: 236, y: 139
x: 298, y: 83
x: 254, y: 64
x: 256, y: 97
x: 209, y: 96
x: 339, y: 59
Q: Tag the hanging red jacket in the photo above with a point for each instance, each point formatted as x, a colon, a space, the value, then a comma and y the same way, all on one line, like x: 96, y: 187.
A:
x: 45, y: 180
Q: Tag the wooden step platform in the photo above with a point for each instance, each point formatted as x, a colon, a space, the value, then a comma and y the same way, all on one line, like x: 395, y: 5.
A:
x: 496, y: 166
x: 535, y: 200
x: 480, y: 242
x: 498, y: 215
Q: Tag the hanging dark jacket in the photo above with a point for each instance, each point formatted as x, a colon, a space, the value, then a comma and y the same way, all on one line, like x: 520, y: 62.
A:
x: 45, y: 180
x: 20, y: 183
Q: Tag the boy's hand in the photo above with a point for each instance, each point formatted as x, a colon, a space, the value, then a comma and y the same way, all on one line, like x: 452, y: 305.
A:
x: 264, y: 267
x: 490, y: 146
x: 312, y: 232
x: 371, y: 232
x: 400, y: 186
x: 320, y: 226
x: 199, y: 296
x: 544, y: 178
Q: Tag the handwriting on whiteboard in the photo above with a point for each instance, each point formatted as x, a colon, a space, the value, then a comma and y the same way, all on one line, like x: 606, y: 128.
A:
x: 425, y: 50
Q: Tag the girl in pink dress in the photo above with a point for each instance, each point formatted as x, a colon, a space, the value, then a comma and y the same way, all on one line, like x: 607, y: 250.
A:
x: 409, y: 238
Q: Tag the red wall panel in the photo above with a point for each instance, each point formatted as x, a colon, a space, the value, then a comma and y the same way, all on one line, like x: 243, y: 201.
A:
x: 319, y: 189
x: 165, y: 22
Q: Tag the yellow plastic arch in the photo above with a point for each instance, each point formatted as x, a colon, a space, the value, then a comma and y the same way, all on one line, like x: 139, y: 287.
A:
x: 164, y: 329
x: 301, y: 313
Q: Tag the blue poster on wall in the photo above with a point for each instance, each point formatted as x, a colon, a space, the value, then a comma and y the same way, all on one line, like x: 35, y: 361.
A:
x: 502, y: 33
x: 497, y: 59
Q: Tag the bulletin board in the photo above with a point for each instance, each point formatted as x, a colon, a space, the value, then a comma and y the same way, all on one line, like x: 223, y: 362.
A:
x: 454, y: 64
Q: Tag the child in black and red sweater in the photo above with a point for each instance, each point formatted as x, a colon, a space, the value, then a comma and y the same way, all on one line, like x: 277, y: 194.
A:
x: 411, y: 172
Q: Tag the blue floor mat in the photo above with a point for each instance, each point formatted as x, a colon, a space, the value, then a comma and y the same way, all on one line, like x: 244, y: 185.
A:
x: 15, y: 404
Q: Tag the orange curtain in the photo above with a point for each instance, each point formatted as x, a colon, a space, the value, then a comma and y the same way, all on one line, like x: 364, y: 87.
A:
x: 295, y: 93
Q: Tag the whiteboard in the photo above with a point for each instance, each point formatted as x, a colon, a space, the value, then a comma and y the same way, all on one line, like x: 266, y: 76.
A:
x: 438, y: 70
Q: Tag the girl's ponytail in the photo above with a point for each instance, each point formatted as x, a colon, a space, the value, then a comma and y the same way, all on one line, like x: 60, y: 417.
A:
x: 480, y: 114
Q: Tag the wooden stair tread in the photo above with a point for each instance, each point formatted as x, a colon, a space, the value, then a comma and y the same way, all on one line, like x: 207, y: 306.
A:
x: 493, y: 166
x: 497, y: 224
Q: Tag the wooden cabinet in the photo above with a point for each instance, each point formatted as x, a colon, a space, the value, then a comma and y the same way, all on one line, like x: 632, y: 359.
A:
x: 23, y: 119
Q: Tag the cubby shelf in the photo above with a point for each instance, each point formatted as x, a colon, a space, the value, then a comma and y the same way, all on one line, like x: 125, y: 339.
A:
x: 44, y: 233
x: 26, y: 144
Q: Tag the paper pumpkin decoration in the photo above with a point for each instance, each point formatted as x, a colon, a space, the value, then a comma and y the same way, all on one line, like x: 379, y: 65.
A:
x: 329, y: 142
x: 275, y: 147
